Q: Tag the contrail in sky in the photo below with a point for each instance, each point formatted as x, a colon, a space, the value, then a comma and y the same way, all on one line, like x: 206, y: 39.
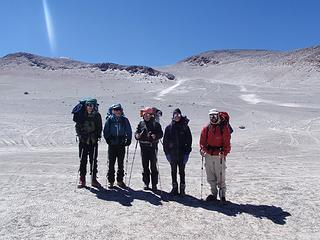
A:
x: 49, y: 25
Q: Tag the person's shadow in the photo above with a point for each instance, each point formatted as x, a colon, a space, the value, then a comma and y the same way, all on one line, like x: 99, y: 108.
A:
x: 273, y: 213
x: 125, y: 196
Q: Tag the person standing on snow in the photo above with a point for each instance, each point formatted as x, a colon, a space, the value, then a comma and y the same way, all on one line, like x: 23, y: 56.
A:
x: 215, y: 146
x: 118, y: 134
x: 89, y: 133
x: 148, y: 134
x: 177, y: 142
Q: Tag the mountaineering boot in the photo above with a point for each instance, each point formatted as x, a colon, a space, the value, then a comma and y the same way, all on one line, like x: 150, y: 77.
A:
x: 121, y: 184
x: 154, y: 188
x: 211, y: 198
x: 174, y: 190
x: 223, y: 200
x: 182, y: 189
x: 82, y: 182
x: 146, y: 187
x: 95, y: 182
x: 110, y: 184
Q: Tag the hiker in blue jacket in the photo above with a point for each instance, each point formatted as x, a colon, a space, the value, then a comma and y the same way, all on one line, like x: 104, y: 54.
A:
x: 118, y: 134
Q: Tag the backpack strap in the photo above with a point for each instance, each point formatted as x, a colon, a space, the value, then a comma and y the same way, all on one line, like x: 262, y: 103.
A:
x: 207, y: 133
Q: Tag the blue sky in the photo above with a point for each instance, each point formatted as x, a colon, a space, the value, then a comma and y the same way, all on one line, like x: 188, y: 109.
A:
x: 154, y: 32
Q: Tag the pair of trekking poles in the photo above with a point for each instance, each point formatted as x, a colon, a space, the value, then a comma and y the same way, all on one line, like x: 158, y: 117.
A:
x: 134, y: 155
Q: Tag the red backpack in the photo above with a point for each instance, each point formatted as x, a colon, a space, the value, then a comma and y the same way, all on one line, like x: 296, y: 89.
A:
x: 224, y: 121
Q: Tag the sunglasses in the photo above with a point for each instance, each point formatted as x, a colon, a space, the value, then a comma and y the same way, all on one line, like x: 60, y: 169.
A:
x: 117, y: 109
x: 89, y: 105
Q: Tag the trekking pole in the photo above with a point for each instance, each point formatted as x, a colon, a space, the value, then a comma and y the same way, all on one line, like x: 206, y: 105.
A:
x: 220, y: 184
x: 127, y: 161
x: 107, y: 169
x: 92, y: 165
x: 134, y: 155
x: 78, y: 173
x: 220, y: 190
x: 201, y: 187
x: 158, y: 172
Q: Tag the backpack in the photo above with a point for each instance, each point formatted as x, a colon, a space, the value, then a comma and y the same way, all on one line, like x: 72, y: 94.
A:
x: 79, y: 110
x: 224, y: 120
x: 122, y: 117
x: 157, y: 113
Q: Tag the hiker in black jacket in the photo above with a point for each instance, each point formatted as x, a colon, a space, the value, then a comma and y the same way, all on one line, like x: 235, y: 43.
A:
x: 148, y: 133
x: 89, y: 133
x: 177, y: 143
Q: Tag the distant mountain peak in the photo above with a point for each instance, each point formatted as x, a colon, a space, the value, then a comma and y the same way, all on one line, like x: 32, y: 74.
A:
x: 48, y: 63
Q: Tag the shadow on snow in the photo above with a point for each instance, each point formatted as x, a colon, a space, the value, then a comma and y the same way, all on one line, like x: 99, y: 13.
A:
x: 273, y: 213
x: 126, y: 196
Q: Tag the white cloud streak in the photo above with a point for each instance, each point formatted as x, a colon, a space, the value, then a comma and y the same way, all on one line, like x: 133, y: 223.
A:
x: 49, y: 25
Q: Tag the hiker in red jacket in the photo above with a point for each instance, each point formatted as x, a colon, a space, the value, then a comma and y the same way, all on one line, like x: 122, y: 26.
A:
x: 215, y: 146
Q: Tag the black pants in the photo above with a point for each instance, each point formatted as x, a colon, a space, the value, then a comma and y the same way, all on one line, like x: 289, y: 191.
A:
x: 149, y: 157
x: 92, y: 151
x: 116, y: 153
x: 177, y: 162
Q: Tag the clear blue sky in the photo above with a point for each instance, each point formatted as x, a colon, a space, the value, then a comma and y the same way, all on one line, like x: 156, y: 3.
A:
x: 154, y: 32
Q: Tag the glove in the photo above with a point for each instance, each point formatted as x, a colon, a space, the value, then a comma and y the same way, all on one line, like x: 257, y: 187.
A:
x: 203, y: 153
x: 127, y: 142
x: 168, y: 158
x: 137, y: 136
x: 185, y: 158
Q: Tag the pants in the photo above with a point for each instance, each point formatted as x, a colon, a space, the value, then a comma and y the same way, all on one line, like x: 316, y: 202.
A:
x: 116, y: 153
x: 177, y: 162
x: 92, y: 151
x: 149, y: 157
x: 216, y: 174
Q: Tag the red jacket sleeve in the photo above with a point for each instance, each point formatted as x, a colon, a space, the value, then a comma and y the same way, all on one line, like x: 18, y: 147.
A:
x: 203, y: 139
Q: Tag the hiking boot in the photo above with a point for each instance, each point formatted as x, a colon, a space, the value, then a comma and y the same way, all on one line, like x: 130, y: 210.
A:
x: 211, y: 198
x: 121, y: 184
x: 182, y: 189
x: 82, y: 182
x: 110, y: 185
x: 174, y: 190
x: 154, y: 188
x: 223, y: 199
x: 95, y: 183
x: 146, y: 187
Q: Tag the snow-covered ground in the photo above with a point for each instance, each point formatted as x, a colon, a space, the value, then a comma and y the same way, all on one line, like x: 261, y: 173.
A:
x: 273, y: 170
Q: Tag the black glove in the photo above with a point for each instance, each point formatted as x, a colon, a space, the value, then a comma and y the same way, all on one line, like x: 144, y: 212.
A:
x: 127, y: 142
x: 108, y: 140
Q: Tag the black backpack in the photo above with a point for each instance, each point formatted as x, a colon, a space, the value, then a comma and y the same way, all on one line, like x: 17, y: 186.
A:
x: 79, y: 110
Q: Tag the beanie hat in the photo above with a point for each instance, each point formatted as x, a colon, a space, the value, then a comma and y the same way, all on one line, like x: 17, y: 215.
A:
x: 177, y: 110
x: 116, y: 106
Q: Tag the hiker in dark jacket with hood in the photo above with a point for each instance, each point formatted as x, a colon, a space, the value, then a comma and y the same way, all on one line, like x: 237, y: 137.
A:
x: 177, y: 144
x: 118, y: 134
x: 148, y: 133
x: 89, y: 133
